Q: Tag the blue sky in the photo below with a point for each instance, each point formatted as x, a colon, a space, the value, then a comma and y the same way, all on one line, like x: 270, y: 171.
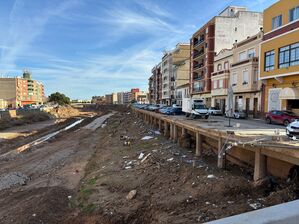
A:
x: 92, y: 47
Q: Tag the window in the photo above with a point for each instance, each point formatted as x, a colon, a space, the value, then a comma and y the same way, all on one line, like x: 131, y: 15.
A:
x: 284, y: 57
x: 219, y: 67
x: 215, y: 84
x: 226, y: 65
x: 269, y: 60
x: 242, y: 56
x: 251, y: 53
x: 255, y: 75
x: 245, y: 77
x: 289, y: 56
x: 235, y: 79
x: 276, y: 22
x: 221, y: 84
x: 294, y: 14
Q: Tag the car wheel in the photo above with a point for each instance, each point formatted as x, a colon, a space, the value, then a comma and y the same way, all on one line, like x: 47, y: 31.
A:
x: 207, y: 116
x: 268, y: 120
x: 286, y: 122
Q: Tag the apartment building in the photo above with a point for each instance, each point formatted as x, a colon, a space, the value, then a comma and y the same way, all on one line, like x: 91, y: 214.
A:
x: 220, y: 79
x: 20, y: 91
x: 175, y: 71
x: 111, y: 98
x: 221, y: 32
x: 155, y: 85
x: 244, y: 76
x: 167, y: 74
x: 127, y: 97
x: 120, y: 98
x: 279, y: 64
x: 181, y: 68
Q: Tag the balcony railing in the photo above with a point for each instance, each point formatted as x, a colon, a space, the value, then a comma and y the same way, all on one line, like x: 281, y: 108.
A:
x: 198, y: 54
x: 198, y: 89
x: 198, y: 66
x: 198, y: 42
x: 198, y: 77
x: 254, y: 59
x: 220, y: 72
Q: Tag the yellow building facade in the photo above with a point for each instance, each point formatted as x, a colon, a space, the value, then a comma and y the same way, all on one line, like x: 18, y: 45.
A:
x: 279, y: 56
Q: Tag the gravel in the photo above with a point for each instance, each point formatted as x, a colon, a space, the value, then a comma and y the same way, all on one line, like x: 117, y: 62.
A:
x: 12, y: 179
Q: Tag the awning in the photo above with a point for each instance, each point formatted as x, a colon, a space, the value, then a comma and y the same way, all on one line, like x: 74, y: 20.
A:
x: 289, y: 94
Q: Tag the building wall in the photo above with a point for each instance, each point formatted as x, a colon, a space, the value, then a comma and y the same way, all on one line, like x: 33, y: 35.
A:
x: 167, y: 73
x: 8, y: 90
x: 280, y: 8
x: 278, y: 79
x: 230, y: 29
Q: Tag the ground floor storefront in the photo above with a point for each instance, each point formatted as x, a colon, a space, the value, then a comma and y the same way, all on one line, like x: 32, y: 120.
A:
x: 282, y: 94
x: 250, y: 103
x: 219, y: 102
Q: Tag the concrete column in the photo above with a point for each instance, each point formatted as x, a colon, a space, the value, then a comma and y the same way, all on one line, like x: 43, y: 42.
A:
x: 160, y: 125
x: 198, y: 149
x: 183, y: 132
x: 260, y: 165
x: 171, y: 131
x: 166, y: 129
x: 220, y: 159
x: 175, y: 133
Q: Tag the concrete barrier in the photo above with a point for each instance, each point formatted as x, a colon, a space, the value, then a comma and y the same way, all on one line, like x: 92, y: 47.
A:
x: 286, y: 213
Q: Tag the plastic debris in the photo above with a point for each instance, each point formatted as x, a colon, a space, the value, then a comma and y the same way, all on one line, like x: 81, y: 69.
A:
x: 147, y: 137
x: 211, y: 176
x: 170, y: 159
x: 69, y: 197
x: 157, y: 132
x: 141, y: 156
x: 128, y: 167
x: 34, y: 215
x: 256, y: 205
x: 131, y: 194
x: 145, y: 158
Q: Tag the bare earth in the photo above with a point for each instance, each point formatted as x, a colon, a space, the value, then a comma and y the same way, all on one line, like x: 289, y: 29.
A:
x: 85, y: 175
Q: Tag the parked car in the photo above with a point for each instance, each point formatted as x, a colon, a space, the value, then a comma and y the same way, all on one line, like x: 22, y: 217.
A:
x: 164, y: 110
x: 293, y: 129
x: 281, y: 117
x: 174, y: 111
x: 214, y: 111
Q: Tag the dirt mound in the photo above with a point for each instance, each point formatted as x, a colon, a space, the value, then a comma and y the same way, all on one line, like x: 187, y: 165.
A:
x: 170, y: 187
x: 64, y: 112
x: 37, y: 207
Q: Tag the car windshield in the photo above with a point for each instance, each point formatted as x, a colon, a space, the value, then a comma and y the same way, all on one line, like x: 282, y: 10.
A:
x: 199, y: 106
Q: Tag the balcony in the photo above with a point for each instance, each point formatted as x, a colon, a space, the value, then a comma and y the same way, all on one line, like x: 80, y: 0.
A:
x: 198, y: 77
x: 221, y: 72
x: 198, y: 54
x: 198, y: 42
x: 249, y: 60
x: 198, y: 66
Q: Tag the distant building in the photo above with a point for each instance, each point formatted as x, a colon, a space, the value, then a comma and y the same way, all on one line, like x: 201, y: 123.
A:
x: 244, y: 76
x: 220, y: 78
x: 175, y: 71
x: 111, y: 98
x: 155, y: 85
x: 120, y: 98
x: 127, y: 96
x: 98, y: 99
x: 233, y: 23
x: 20, y: 91
x: 279, y: 64
x: 3, y: 104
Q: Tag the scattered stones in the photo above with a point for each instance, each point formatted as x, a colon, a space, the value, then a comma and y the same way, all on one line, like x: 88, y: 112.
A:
x: 131, y: 195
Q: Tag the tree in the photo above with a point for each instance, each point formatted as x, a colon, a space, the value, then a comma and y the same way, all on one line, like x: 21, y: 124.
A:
x: 59, y: 98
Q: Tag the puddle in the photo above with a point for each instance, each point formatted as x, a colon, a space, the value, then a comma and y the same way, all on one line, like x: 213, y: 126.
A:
x: 41, y: 140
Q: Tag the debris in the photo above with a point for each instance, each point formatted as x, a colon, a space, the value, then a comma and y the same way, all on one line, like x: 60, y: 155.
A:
x: 157, y: 132
x: 141, y: 156
x: 170, y: 159
x: 145, y: 158
x: 230, y: 202
x: 211, y: 176
x: 208, y: 203
x: 34, y: 215
x: 131, y: 194
x: 69, y: 197
x: 256, y: 205
x: 147, y: 137
x: 128, y: 167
